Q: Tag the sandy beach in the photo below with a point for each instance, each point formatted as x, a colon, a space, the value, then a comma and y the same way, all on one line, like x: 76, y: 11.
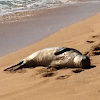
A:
x: 24, y: 32
x: 63, y: 84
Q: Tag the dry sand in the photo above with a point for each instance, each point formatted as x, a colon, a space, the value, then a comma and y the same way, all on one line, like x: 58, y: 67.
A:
x: 37, y: 84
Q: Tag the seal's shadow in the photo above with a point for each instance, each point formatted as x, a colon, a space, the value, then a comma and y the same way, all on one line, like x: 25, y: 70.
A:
x: 23, y: 68
x: 92, y: 66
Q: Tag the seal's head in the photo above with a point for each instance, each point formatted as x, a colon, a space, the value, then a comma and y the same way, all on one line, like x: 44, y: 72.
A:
x: 82, y: 61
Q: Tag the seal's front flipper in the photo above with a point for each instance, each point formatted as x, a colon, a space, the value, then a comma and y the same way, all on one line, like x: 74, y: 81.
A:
x: 61, y: 50
x: 64, y: 49
x: 11, y: 68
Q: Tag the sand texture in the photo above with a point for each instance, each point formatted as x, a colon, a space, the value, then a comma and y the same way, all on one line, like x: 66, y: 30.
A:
x: 44, y: 84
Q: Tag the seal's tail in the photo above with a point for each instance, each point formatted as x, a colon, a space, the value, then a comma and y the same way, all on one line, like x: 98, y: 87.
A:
x: 14, y: 66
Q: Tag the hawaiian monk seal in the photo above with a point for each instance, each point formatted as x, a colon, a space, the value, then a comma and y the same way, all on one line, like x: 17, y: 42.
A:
x: 54, y: 57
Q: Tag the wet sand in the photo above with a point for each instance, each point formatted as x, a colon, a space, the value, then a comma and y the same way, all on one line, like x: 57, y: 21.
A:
x: 16, y: 35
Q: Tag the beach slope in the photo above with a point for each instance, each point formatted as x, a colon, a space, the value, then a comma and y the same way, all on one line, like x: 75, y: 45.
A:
x: 41, y: 84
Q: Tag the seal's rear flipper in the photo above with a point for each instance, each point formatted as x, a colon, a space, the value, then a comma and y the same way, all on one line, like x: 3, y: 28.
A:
x: 14, y: 66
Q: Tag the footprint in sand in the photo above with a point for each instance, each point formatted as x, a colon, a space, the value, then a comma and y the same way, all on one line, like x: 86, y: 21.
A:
x: 94, y: 51
x: 93, y: 39
x: 45, y: 72
x: 95, y: 48
x: 17, y: 71
x: 78, y: 70
x: 48, y: 74
x: 63, y: 77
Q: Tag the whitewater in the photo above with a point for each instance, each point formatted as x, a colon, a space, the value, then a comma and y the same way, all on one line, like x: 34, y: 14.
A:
x: 11, y: 6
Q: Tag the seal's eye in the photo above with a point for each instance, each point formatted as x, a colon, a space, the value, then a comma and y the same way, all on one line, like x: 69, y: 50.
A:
x: 85, y: 63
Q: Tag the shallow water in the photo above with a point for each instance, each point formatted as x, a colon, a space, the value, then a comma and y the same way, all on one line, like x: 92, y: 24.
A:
x: 16, y: 35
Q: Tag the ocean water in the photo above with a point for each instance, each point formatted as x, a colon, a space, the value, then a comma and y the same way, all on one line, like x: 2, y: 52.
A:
x: 11, y: 6
x: 8, y: 8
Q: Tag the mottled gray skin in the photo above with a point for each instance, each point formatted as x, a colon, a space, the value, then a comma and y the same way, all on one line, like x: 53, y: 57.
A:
x: 54, y: 57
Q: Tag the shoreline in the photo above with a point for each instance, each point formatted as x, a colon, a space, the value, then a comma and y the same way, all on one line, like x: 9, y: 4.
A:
x: 17, y: 35
x: 26, y: 12
x: 30, y: 14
